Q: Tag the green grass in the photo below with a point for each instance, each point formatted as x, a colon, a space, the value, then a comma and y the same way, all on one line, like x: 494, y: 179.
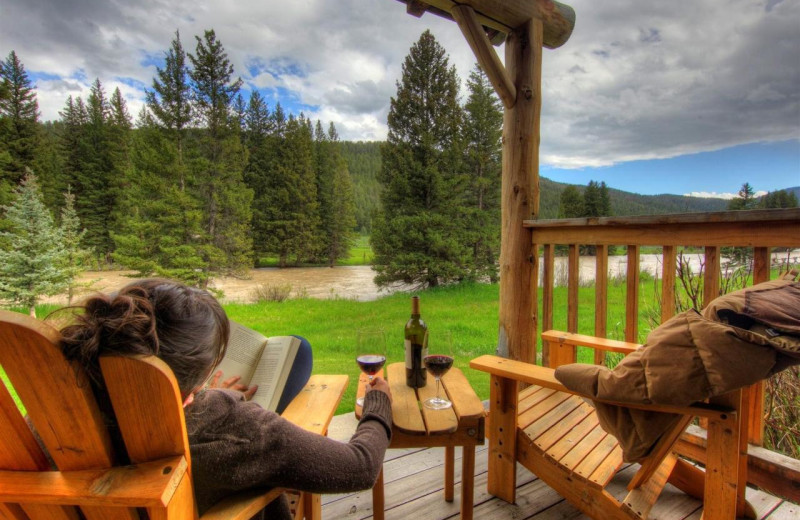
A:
x: 469, y: 311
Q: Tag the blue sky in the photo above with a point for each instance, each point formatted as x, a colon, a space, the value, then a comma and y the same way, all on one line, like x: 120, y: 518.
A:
x: 766, y: 166
x: 646, y: 96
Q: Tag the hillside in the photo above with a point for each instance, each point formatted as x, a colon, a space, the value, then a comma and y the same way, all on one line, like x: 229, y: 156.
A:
x: 364, y: 161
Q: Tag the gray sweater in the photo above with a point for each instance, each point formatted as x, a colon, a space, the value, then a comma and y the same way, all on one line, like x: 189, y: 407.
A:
x: 236, y: 445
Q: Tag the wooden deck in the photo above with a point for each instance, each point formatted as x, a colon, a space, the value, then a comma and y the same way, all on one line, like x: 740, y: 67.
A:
x: 414, y: 480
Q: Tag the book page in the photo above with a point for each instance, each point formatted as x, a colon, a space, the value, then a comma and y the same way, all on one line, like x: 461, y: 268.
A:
x: 273, y: 370
x: 244, y: 350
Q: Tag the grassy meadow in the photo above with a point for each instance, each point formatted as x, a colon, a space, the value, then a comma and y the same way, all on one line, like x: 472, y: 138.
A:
x: 468, y: 311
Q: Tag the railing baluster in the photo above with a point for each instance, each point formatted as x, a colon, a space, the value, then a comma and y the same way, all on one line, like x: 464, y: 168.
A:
x: 669, y: 266
x: 632, y: 296
x: 754, y: 395
x: 547, y: 298
x: 600, y: 299
x: 711, y: 275
x: 572, y: 289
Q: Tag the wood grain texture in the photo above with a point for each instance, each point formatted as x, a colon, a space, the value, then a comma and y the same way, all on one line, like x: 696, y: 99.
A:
x: 600, y: 299
x: 632, y: 295
x: 473, y: 32
x: 519, y: 194
x: 313, y: 408
x: 669, y: 261
x: 573, y: 281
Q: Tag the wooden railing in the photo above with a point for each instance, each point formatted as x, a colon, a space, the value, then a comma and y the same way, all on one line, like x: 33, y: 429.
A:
x: 761, y: 230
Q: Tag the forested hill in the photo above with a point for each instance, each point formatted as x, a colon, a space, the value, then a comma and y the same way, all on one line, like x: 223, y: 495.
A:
x: 364, y: 161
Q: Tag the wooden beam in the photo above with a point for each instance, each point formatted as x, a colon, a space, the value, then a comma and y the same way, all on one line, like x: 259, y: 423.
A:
x: 520, y: 195
x: 557, y: 19
x: 487, y: 57
x: 416, y: 8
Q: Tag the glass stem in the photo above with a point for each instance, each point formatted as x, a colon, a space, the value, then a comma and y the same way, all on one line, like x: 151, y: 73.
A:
x: 437, y: 389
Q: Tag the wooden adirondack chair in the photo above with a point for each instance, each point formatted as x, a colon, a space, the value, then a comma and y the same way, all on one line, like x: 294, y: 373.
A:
x: 555, y: 434
x: 148, y: 408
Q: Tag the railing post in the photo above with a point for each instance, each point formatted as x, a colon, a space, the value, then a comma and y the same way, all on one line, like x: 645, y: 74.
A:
x: 632, y: 296
x: 600, y: 299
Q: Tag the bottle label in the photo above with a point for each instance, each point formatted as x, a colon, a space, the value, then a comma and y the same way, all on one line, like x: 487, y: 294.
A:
x: 409, y: 354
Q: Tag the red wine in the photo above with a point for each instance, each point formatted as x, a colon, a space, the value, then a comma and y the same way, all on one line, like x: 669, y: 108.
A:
x: 371, y: 363
x: 438, y: 365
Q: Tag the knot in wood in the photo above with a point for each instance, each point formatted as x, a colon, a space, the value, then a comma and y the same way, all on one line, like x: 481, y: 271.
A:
x: 527, y: 92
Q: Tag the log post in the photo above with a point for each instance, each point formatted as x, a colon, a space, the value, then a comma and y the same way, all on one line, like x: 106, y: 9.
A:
x: 520, y: 195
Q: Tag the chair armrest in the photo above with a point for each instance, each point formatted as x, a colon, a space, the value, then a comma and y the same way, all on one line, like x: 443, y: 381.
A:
x: 581, y: 340
x: 150, y: 484
x: 242, y: 506
x: 314, y: 406
x: 545, y: 377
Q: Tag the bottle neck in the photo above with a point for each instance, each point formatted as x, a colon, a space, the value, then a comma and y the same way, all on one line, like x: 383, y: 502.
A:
x: 415, y: 307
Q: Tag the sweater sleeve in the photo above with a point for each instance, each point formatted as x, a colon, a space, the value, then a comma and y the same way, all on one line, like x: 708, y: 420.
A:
x: 237, y: 445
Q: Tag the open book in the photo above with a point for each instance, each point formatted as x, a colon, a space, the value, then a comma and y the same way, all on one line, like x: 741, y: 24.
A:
x: 261, y: 361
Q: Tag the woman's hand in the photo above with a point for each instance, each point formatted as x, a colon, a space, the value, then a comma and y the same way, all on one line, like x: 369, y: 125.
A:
x: 379, y: 384
x: 232, y: 383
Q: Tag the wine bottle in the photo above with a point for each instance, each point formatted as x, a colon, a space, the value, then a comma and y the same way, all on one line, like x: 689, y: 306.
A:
x: 416, y: 336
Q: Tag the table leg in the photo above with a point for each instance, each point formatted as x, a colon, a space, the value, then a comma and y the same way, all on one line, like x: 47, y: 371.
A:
x: 377, y: 498
x: 449, y: 472
x: 467, y: 481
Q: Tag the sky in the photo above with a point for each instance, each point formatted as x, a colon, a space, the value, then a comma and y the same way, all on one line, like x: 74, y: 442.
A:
x: 650, y: 97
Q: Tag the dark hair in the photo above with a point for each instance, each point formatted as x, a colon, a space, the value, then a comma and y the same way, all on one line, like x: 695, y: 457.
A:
x: 185, y: 327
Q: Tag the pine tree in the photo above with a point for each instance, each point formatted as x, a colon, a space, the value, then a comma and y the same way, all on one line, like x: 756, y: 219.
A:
x: 94, y: 181
x: 745, y: 200
x: 19, y: 133
x: 225, y: 198
x: 75, y: 255
x: 418, y: 238
x: 290, y: 216
x: 258, y: 127
x: 482, y: 132
x: 336, y: 201
x: 169, y: 101
x: 32, y: 265
x: 571, y: 203
x: 778, y: 199
x: 162, y: 230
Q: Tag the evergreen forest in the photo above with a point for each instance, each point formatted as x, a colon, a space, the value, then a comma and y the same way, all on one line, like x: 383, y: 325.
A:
x: 210, y: 179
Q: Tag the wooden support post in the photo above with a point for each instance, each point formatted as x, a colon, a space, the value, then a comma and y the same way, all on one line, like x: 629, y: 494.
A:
x: 754, y: 395
x: 711, y: 275
x: 520, y: 194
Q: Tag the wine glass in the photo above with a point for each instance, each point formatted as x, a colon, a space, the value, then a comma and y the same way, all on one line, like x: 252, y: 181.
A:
x: 370, y: 354
x: 438, y: 361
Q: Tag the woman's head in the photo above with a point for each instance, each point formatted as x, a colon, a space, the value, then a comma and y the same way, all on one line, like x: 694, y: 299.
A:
x: 184, y: 326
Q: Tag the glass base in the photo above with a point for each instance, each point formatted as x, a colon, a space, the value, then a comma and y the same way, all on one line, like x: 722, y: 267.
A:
x: 437, y: 403
x: 360, y: 401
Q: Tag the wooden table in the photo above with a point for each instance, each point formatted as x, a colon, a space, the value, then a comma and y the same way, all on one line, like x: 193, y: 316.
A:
x: 415, y: 426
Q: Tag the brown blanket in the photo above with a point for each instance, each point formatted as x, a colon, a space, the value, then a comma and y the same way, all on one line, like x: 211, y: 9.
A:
x: 739, y: 339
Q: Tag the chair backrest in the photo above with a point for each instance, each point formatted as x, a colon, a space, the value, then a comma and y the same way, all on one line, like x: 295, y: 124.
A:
x: 59, y: 402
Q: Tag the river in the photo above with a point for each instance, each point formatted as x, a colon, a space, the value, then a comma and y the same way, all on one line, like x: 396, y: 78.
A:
x: 356, y: 282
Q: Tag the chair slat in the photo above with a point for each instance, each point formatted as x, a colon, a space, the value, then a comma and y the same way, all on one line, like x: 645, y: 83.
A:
x: 541, y: 408
x: 75, y: 438
x: 551, y: 418
x: 553, y: 435
x: 584, y: 447
x: 151, y: 421
x: 596, y: 457
x: 572, y: 438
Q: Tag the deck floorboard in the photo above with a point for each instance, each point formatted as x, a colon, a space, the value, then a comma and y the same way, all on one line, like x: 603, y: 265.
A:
x: 414, y: 481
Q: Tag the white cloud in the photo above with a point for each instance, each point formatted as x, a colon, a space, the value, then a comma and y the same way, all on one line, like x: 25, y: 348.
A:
x: 715, y: 195
x: 637, y: 80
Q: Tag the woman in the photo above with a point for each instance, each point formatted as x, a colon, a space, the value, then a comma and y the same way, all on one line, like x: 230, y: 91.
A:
x: 235, y: 444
